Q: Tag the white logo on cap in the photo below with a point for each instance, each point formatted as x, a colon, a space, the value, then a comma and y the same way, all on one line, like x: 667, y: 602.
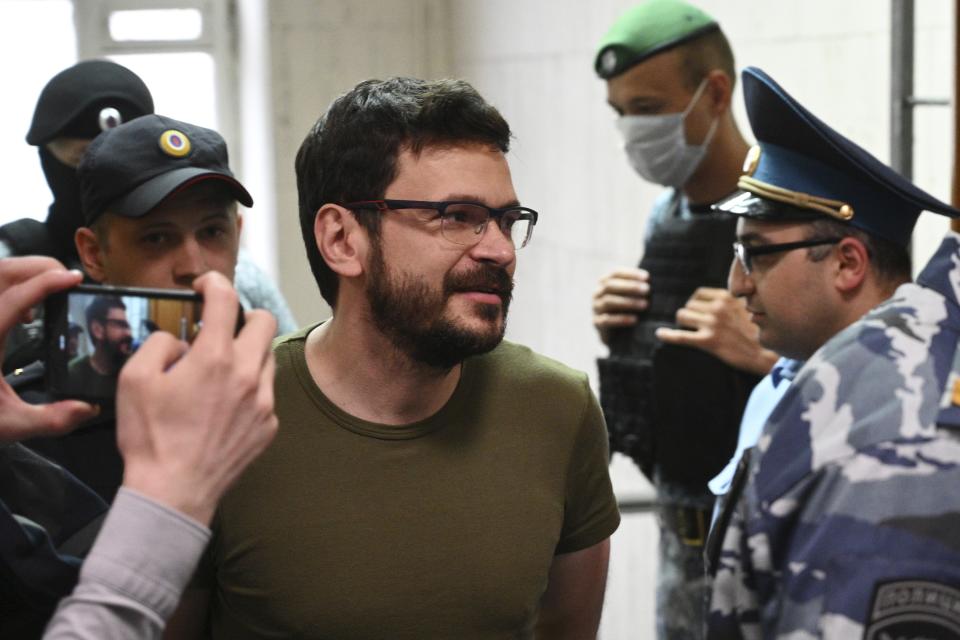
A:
x: 609, y: 61
x: 109, y: 118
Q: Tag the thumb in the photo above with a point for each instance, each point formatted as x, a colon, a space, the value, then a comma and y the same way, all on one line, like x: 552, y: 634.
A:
x: 58, y: 418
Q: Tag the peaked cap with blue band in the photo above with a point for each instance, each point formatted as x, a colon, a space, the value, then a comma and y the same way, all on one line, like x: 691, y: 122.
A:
x: 804, y: 170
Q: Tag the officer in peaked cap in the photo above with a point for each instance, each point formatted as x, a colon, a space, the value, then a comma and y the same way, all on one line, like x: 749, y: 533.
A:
x: 670, y: 76
x: 801, y: 162
x: 838, y: 522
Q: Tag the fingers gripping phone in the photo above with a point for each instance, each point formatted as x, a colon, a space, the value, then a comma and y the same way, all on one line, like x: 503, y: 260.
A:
x: 90, y: 331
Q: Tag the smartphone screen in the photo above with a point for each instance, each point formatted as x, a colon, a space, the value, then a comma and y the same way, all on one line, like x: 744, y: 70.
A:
x: 92, y: 330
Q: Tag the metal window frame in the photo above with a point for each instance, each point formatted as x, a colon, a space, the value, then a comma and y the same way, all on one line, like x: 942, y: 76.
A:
x: 902, y: 99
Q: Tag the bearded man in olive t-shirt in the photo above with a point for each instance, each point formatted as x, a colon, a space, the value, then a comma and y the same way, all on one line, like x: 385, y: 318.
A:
x: 428, y: 480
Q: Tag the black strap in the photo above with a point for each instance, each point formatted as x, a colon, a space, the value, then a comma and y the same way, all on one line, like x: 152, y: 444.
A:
x: 728, y: 503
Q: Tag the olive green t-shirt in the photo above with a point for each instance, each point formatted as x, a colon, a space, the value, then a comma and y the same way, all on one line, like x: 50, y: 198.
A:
x: 445, y: 528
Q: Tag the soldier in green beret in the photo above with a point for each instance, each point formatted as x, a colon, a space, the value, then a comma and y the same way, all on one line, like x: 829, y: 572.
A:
x: 684, y: 355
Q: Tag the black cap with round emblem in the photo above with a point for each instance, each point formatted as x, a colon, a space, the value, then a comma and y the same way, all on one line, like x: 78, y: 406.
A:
x: 131, y: 169
x: 88, y: 98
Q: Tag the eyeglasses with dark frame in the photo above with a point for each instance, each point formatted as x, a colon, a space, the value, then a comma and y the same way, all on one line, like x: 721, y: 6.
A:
x: 745, y: 254
x: 116, y: 322
x: 463, y: 222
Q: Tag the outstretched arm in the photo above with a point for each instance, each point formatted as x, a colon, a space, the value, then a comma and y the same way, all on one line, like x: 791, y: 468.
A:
x: 188, y: 422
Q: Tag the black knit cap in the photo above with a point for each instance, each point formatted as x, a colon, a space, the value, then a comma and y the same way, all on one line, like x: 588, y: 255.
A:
x: 85, y: 99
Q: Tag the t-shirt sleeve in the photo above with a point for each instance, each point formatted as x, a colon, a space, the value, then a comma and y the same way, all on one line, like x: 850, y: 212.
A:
x: 590, y: 509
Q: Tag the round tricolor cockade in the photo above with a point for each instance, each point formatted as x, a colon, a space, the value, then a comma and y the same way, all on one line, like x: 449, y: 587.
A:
x: 174, y: 143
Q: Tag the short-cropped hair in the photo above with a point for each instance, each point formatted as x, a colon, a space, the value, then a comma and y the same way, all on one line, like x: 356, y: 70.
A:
x: 702, y: 55
x: 890, y: 262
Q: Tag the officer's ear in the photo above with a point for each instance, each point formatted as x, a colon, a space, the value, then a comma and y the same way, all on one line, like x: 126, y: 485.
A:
x: 719, y: 91
x: 91, y: 248
x: 852, y: 266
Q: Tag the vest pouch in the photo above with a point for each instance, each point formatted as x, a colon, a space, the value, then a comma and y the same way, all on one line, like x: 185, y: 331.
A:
x: 697, y: 405
x: 625, y: 400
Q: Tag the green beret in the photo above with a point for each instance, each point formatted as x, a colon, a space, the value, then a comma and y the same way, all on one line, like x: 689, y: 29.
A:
x: 647, y: 29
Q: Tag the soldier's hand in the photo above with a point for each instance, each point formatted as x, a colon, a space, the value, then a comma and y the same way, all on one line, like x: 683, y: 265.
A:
x: 24, y: 282
x: 718, y: 323
x: 620, y: 296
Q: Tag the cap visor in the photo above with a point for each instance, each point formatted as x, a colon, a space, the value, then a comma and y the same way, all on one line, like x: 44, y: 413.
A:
x: 151, y: 193
x: 746, y: 204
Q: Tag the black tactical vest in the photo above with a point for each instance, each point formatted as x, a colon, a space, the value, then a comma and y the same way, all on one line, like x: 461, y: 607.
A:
x: 671, y: 408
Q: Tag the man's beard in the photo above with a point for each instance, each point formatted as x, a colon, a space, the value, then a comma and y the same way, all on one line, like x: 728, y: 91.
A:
x: 411, y: 316
x: 117, y: 352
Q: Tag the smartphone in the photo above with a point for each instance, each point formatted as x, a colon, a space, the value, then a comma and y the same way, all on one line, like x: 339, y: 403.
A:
x: 90, y: 331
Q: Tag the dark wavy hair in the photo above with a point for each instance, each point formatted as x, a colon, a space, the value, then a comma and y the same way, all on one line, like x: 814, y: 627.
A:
x: 351, y: 152
x: 98, y: 310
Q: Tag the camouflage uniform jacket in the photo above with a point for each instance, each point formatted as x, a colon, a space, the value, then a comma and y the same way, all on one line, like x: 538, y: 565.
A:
x: 849, y: 525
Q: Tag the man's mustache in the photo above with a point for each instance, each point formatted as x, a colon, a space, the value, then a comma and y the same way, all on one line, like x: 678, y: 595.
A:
x: 484, y: 278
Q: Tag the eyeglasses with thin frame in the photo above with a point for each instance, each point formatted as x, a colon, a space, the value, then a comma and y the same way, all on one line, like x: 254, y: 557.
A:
x: 745, y: 254
x: 462, y: 222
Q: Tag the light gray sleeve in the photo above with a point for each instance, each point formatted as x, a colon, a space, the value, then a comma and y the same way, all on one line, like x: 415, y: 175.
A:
x: 132, y: 579
x: 257, y: 291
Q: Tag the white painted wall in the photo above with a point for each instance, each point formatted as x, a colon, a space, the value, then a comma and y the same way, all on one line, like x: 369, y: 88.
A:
x: 533, y: 59
x: 319, y: 50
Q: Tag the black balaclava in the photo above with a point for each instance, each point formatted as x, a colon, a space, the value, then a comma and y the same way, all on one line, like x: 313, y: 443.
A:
x: 80, y: 102
x: 64, y: 216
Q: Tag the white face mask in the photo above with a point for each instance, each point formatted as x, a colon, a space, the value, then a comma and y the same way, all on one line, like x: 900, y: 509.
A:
x: 657, y: 147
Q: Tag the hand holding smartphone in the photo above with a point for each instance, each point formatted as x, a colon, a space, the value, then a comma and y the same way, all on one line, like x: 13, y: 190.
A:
x: 92, y: 330
x: 24, y: 282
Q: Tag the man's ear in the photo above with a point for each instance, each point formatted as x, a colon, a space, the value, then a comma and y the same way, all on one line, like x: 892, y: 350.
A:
x: 91, y: 253
x: 719, y: 90
x: 239, y: 217
x: 96, y: 330
x: 853, y: 265
x: 340, y: 239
